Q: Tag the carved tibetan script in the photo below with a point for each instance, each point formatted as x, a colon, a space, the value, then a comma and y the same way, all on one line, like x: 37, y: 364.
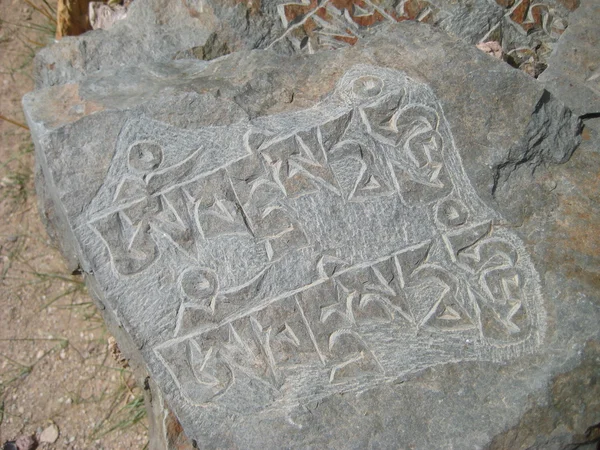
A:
x: 318, y: 251
x: 332, y: 24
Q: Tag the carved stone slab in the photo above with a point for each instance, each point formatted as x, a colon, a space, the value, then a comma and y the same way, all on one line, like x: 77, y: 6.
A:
x: 307, y: 239
x: 292, y: 242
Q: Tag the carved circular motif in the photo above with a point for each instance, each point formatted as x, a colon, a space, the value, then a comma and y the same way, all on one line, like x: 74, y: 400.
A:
x: 367, y: 87
x: 452, y: 213
x: 199, y: 284
x: 145, y: 156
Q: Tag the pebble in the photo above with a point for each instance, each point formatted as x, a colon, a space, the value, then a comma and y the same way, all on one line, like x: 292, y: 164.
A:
x: 50, y: 434
x: 26, y: 443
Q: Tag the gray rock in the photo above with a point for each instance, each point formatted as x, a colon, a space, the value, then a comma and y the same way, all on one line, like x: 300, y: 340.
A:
x: 471, y: 20
x: 104, y: 16
x: 154, y: 30
x: 162, y: 30
x: 351, y: 249
x: 573, y: 74
x: 531, y: 29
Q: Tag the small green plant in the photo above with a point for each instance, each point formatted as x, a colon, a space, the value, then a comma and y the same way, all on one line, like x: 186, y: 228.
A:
x: 33, y: 35
x: 17, y: 371
x: 15, y: 186
x: 45, y: 9
x: 16, y: 177
x: 44, y: 23
x: 127, y: 408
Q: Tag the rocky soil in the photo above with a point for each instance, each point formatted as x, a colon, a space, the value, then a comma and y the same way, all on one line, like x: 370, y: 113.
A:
x: 56, y: 371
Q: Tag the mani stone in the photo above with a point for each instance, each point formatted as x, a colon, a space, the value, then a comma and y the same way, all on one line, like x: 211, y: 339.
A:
x: 349, y: 249
x: 163, y: 30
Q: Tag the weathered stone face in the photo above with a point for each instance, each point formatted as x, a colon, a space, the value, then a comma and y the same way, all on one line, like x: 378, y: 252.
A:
x: 574, y: 69
x: 163, y: 30
x: 305, y: 248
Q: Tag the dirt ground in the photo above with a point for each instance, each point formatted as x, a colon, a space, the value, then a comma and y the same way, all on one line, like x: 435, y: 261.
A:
x: 55, y: 366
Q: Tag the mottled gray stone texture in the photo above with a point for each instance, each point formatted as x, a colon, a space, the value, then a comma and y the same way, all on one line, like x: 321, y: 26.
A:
x: 573, y: 72
x: 154, y: 30
x: 163, y: 30
x: 366, y: 248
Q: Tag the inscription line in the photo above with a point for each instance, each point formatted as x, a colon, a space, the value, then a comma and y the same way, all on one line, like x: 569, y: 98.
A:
x: 108, y: 211
x: 310, y: 331
x: 266, y: 302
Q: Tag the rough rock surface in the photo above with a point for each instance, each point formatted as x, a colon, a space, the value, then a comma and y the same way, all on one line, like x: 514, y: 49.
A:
x: 104, y: 16
x: 573, y: 72
x: 162, y: 30
x: 154, y: 30
x: 364, y: 248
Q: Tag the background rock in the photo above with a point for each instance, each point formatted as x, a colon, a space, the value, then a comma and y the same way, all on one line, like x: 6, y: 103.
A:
x: 160, y: 30
x: 573, y: 74
x: 102, y: 15
x: 153, y: 31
